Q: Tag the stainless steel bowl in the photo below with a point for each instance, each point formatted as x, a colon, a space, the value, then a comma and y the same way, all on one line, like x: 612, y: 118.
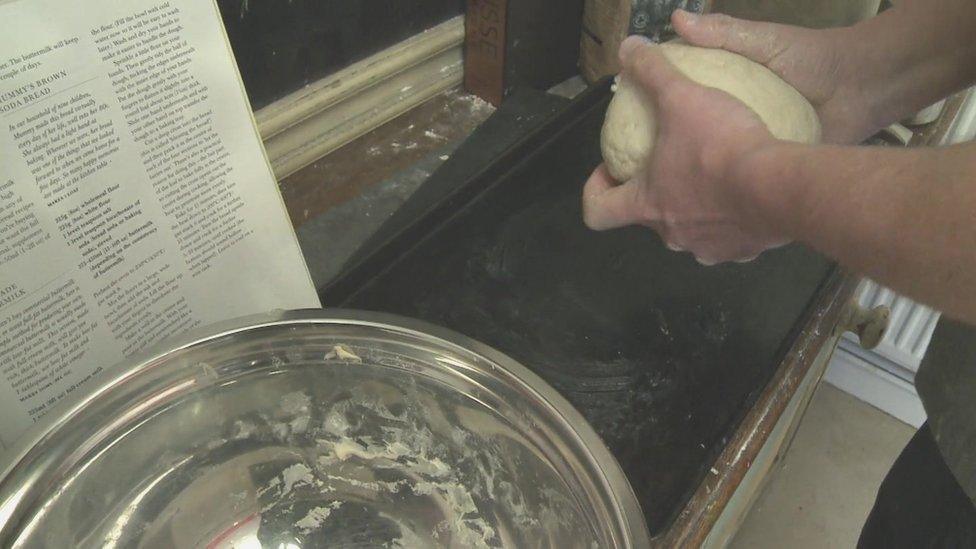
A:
x: 317, y: 429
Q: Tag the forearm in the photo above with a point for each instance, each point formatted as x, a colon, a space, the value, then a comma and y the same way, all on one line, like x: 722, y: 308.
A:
x: 906, y: 218
x: 909, y: 57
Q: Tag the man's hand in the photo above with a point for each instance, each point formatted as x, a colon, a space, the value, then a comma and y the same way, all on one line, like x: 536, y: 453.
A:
x: 720, y: 186
x: 812, y: 61
x: 685, y: 193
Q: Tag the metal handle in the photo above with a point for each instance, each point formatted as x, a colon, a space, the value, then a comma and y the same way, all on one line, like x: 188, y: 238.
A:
x: 870, y: 325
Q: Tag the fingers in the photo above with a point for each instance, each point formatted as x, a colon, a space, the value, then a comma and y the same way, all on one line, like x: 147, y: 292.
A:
x: 744, y: 255
x: 707, y: 31
x: 747, y: 259
x: 712, y: 244
x: 607, y: 205
x: 642, y: 61
x: 758, y: 41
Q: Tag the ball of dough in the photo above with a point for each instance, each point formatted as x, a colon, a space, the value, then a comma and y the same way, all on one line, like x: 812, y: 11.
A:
x: 629, y: 130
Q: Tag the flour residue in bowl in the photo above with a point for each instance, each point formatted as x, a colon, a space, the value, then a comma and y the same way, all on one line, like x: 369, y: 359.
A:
x: 316, y: 516
x: 410, y: 466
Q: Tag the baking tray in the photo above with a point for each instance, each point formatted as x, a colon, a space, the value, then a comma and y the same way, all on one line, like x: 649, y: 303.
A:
x: 661, y: 355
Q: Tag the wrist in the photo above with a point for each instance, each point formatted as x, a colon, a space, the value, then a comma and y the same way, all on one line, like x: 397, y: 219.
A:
x: 857, y: 106
x: 766, y: 188
x: 901, y: 61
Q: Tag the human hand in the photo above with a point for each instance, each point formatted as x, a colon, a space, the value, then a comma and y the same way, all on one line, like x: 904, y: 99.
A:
x: 687, y: 192
x: 812, y: 61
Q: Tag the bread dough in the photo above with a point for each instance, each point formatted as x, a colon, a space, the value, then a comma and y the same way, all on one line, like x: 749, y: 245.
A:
x: 629, y: 130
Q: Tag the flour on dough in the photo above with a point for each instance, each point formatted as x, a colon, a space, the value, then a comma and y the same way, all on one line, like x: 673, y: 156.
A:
x: 629, y: 130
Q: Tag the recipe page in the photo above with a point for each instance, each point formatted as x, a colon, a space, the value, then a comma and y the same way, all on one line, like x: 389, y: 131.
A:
x: 136, y: 201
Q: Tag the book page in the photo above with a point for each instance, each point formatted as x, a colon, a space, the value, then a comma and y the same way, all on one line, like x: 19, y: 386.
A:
x: 135, y: 198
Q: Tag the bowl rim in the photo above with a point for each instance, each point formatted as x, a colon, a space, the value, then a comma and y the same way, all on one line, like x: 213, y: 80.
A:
x: 596, y: 456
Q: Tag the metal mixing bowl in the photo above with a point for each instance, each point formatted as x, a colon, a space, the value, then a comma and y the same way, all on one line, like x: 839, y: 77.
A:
x: 317, y: 429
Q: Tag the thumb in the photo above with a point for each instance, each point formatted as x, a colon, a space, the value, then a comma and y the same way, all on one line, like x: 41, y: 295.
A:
x: 607, y: 205
x: 642, y: 61
x: 756, y: 40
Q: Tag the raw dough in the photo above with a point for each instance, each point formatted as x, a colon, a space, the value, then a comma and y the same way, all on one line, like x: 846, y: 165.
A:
x: 629, y: 129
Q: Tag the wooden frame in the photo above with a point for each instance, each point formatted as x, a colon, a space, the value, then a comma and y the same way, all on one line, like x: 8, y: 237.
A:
x: 693, y: 525
x: 304, y: 126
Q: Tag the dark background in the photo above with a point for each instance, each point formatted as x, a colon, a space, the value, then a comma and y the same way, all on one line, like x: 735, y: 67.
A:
x: 282, y: 45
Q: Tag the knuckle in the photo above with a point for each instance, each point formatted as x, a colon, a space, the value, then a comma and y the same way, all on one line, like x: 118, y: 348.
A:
x: 720, y: 21
x: 705, y: 260
x: 592, y: 211
x: 591, y: 214
x: 720, y: 18
x: 648, y: 214
x: 728, y: 29
x: 642, y: 61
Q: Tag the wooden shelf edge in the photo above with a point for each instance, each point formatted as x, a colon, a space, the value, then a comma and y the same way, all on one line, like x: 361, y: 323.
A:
x: 323, y: 116
x: 702, y: 511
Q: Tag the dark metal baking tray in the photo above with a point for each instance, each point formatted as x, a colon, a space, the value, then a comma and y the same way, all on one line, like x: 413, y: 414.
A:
x: 661, y: 355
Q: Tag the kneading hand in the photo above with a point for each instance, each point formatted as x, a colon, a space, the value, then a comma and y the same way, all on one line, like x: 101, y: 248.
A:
x: 686, y: 193
x: 815, y: 62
